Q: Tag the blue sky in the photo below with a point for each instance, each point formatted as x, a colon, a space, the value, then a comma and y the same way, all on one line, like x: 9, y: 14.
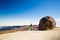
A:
x: 24, y: 12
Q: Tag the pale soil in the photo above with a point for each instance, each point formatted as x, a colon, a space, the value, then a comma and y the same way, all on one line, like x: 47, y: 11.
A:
x: 32, y: 35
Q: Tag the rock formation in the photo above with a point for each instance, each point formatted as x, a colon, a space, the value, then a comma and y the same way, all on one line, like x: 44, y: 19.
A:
x: 46, y: 23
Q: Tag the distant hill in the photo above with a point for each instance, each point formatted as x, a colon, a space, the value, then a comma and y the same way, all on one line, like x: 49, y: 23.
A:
x: 9, y: 29
x: 3, y: 28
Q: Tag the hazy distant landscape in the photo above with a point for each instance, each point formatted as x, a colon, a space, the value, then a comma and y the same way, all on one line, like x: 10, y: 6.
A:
x: 9, y: 29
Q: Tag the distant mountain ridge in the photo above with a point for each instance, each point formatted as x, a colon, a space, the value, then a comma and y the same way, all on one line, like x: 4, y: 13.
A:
x: 22, y: 28
x: 8, y: 27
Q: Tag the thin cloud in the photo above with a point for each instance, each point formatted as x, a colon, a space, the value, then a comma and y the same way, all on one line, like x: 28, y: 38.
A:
x: 57, y: 19
x: 57, y: 22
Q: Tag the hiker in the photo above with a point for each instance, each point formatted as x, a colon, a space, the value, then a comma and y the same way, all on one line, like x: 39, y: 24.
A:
x: 30, y: 27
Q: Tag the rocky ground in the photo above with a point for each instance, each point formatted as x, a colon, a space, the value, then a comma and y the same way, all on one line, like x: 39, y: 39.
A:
x: 25, y: 28
x: 53, y: 34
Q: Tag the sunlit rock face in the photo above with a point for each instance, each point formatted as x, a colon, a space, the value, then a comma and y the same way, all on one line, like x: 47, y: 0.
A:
x: 46, y: 23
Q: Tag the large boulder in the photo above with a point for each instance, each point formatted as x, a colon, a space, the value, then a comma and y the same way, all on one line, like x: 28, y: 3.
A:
x: 46, y: 23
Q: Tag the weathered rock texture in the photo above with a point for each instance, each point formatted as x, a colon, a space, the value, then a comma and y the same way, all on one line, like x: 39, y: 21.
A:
x: 46, y: 23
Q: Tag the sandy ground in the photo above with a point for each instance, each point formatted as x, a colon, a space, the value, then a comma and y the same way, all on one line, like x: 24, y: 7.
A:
x: 31, y: 35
